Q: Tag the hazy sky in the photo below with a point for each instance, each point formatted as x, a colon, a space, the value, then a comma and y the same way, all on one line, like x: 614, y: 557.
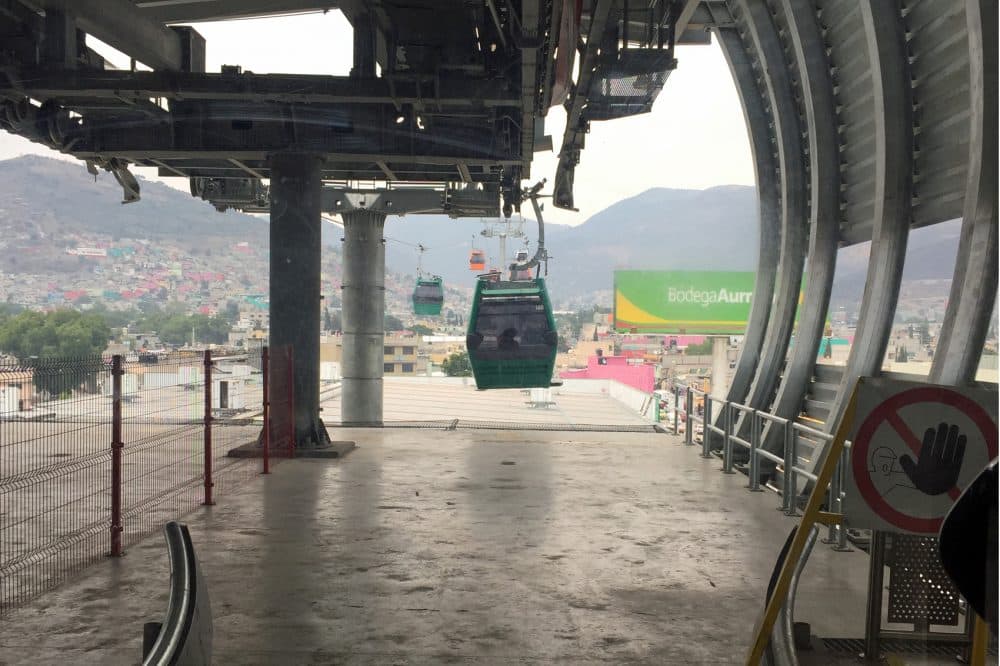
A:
x: 694, y: 138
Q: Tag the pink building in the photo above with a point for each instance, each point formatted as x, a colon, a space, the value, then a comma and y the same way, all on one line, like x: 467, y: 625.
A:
x: 642, y: 377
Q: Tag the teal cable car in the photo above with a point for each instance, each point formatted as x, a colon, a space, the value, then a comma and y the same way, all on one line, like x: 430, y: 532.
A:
x: 511, y: 338
x: 428, y: 296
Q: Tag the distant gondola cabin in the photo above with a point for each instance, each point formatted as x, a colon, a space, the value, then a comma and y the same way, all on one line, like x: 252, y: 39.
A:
x: 477, y: 260
x: 428, y: 296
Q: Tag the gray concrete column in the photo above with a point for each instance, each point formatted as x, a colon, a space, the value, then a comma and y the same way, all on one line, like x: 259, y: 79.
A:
x: 820, y: 106
x: 296, y: 252
x: 720, y: 367
x: 363, y: 316
x: 765, y: 161
x: 974, y: 285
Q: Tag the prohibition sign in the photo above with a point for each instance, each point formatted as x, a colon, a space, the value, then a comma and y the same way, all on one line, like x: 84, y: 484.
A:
x: 888, y: 413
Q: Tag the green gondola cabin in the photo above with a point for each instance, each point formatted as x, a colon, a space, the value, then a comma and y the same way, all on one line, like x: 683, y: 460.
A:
x: 512, y: 336
x: 428, y: 296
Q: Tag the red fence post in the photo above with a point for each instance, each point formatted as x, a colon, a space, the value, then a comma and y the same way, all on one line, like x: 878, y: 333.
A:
x: 265, y: 359
x: 116, y: 455
x: 208, y: 427
x: 291, y: 401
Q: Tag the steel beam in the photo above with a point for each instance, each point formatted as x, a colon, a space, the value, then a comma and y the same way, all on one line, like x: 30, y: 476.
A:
x: 766, y: 40
x: 363, y: 297
x: 60, y: 46
x: 474, y: 93
x: 576, y: 127
x: 138, y: 155
x: 120, y: 24
x: 213, y: 130
x: 974, y: 285
x: 893, y: 120
x: 296, y: 253
x: 762, y: 140
x: 193, y: 11
x: 820, y: 105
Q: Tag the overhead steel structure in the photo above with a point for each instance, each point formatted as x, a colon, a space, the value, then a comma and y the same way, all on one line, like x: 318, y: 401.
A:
x: 442, y: 112
x: 867, y: 118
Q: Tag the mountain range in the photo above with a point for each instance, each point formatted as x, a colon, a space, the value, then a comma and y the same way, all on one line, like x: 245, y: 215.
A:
x: 712, y: 229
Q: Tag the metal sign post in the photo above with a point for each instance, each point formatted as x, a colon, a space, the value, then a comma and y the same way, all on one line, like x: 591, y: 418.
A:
x: 812, y: 516
x: 914, y: 448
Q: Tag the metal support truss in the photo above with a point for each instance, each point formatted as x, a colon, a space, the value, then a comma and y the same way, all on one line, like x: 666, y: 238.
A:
x: 893, y: 120
x: 974, y: 286
x: 818, y: 100
x: 766, y: 40
x: 767, y: 172
x: 122, y: 25
x: 252, y: 196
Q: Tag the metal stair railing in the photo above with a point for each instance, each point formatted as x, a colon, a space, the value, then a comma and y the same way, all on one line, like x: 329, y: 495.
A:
x: 793, y: 467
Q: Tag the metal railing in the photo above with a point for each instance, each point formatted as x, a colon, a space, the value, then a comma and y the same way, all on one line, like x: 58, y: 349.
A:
x: 97, y: 453
x: 790, y: 463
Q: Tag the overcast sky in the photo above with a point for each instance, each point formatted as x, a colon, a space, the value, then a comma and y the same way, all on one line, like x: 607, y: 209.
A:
x: 694, y: 138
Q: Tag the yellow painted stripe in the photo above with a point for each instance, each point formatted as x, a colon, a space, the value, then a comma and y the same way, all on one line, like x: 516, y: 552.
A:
x: 716, y: 322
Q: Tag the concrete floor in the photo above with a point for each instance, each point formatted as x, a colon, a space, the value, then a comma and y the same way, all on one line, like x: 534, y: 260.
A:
x: 430, y: 546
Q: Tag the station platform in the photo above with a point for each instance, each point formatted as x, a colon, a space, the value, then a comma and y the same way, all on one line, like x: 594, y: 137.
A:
x: 465, y: 546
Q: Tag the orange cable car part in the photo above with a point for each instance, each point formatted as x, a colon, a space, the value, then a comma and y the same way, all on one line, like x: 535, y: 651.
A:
x: 477, y: 260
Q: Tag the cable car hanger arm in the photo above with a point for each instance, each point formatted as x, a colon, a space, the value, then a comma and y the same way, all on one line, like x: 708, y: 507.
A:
x: 540, y: 253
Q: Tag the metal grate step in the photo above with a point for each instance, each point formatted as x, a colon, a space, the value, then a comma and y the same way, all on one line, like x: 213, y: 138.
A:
x: 890, y: 645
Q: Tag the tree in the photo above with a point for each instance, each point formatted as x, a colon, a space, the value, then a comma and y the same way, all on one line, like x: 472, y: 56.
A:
x: 700, y: 349
x: 115, y: 319
x: 211, y: 330
x: 393, y: 323
x: 8, y: 310
x: 231, y: 312
x: 457, y: 365
x: 175, y: 327
x: 61, y: 334
x: 420, y: 329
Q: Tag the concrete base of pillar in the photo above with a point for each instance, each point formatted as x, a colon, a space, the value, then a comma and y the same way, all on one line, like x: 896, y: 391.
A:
x: 361, y: 397
x: 333, y: 449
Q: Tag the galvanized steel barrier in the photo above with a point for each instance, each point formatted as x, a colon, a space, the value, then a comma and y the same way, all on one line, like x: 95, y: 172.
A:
x: 97, y: 453
x: 793, y: 473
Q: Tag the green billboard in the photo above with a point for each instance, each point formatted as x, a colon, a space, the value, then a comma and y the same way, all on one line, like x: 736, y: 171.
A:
x: 683, y: 302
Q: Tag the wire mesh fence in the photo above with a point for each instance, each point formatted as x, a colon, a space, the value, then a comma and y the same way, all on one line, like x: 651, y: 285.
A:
x: 97, y: 453
x: 54, y: 482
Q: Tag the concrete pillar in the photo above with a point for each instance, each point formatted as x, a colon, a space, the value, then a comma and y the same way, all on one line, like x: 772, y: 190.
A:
x: 363, y: 318
x: 720, y: 367
x: 296, y: 250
